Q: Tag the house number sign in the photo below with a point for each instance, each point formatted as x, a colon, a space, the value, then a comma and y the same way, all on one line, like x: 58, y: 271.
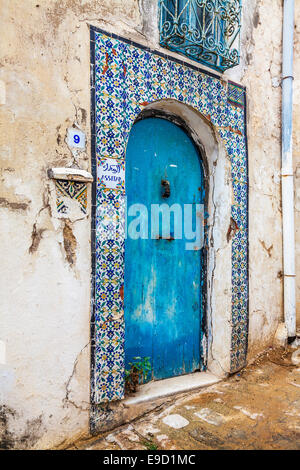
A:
x: 76, y: 139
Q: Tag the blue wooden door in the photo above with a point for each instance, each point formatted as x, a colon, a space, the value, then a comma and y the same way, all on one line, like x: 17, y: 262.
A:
x: 162, y: 289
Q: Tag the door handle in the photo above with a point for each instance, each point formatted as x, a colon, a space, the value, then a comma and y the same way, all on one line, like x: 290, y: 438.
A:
x: 169, y: 239
x: 166, y: 188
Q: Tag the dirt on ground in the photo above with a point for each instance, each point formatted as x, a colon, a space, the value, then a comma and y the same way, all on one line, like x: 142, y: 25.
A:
x: 258, y: 408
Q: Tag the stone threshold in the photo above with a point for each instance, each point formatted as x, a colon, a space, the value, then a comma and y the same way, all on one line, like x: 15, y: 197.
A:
x: 163, y: 388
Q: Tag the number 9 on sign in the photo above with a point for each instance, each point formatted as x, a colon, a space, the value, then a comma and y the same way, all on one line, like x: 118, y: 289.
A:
x: 76, y: 138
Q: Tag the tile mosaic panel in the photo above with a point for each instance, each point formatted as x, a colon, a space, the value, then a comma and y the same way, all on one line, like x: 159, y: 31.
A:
x: 71, y: 190
x: 236, y: 94
x: 125, y: 78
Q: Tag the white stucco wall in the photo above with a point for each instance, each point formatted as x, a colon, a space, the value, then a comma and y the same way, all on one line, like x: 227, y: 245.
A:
x: 45, y: 298
x: 296, y: 150
x: 262, y: 78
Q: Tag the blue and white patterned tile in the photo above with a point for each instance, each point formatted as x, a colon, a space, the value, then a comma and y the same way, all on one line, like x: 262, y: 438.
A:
x: 127, y: 79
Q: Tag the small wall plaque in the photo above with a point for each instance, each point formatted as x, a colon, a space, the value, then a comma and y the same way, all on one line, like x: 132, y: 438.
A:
x: 111, y: 173
x: 76, y: 138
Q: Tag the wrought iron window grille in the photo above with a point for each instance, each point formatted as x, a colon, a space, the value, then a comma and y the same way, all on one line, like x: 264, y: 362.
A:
x: 207, y: 31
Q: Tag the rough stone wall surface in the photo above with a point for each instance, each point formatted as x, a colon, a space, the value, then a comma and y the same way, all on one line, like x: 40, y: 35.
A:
x: 296, y: 147
x: 45, y: 297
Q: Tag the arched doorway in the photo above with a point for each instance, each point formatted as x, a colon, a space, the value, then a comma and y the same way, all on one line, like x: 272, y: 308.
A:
x: 163, y: 248
x: 215, y: 113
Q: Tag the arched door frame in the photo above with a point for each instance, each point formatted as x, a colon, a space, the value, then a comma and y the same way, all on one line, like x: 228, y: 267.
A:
x: 216, y: 301
x: 155, y: 111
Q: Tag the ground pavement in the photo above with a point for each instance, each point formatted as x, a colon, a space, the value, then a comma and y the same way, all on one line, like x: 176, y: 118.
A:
x: 258, y: 408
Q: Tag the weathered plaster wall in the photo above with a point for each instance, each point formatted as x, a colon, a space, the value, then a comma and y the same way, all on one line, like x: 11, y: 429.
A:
x: 296, y: 143
x: 45, y: 297
x: 261, y: 73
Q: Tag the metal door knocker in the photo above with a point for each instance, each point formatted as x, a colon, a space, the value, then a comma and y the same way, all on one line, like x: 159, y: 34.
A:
x: 166, y: 188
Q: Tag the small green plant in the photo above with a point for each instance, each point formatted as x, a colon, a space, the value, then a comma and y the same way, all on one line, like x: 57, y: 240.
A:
x: 140, y: 367
x: 143, y: 366
x: 150, y: 445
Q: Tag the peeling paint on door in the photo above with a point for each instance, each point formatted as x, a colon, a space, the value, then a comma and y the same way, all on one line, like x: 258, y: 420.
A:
x: 162, y: 294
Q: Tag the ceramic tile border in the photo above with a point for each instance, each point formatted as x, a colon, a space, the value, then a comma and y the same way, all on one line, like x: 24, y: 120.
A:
x: 127, y: 66
x: 70, y: 190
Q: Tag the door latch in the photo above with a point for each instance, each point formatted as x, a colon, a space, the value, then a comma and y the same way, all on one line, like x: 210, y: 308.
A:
x: 166, y: 188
